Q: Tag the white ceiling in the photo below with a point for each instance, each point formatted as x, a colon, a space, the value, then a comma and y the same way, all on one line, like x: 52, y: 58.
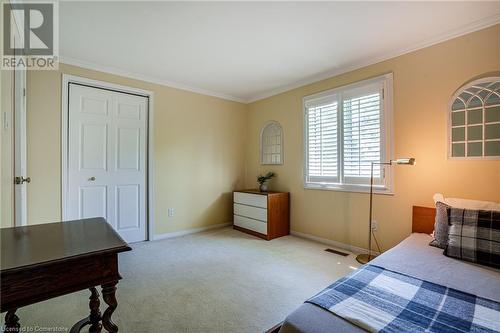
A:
x: 247, y: 51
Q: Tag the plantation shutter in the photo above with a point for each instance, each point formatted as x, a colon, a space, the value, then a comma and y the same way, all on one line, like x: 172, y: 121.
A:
x: 362, y: 134
x: 322, y: 143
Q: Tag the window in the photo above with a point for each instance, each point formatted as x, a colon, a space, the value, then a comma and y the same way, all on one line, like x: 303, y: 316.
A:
x: 474, y: 120
x: 345, y: 130
x: 271, y: 144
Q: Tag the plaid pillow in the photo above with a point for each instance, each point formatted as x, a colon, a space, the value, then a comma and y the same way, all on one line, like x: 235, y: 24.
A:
x: 474, y: 235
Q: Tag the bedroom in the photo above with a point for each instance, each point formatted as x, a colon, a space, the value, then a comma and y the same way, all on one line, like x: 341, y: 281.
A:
x: 208, y: 78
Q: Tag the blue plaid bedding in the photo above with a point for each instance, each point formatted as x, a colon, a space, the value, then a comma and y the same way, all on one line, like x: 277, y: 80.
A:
x: 379, y: 300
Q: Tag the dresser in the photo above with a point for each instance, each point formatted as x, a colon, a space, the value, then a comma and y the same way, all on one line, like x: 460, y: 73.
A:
x: 262, y: 214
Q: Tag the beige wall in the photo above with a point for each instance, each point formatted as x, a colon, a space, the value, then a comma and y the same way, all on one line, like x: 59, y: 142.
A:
x: 423, y: 84
x: 199, y: 151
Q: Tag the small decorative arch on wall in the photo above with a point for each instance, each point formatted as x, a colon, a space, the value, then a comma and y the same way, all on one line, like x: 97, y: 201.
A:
x: 474, y: 120
x: 271, y: 143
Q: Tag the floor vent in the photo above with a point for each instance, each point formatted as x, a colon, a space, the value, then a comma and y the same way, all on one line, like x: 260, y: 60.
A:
x: 343, y: 254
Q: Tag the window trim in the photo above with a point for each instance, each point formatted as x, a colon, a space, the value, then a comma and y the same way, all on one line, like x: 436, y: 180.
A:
x: 386, y: 139
x: 449, y: 113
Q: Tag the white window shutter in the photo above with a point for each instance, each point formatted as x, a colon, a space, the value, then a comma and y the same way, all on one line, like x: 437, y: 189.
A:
x: 362, y: 142
x: 322, y: 143
x: 346, y: 130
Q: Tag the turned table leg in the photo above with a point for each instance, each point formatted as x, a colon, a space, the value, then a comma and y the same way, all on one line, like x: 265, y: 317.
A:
x: 108, y: 295
x: 94, y: 319
x: 95, y: 313
x: 12, y: 321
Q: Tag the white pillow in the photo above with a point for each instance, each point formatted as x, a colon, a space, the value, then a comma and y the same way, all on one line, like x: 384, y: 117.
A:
x: 467, y: 203
x: 438, y: 197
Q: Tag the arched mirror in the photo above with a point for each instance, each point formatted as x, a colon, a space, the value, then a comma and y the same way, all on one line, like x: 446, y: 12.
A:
x: 271, y: 143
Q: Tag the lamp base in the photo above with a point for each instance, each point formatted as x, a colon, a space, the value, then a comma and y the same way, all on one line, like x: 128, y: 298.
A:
x: 364, y: 258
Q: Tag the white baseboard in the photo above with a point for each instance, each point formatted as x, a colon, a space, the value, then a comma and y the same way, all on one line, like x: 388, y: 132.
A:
x: 351, y: 248
x: 189, y: 231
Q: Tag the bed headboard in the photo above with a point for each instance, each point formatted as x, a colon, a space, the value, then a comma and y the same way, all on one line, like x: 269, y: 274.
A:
x: 423, y: 219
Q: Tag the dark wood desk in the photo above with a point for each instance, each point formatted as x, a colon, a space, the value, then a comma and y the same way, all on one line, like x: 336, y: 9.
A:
x: 44, y: 261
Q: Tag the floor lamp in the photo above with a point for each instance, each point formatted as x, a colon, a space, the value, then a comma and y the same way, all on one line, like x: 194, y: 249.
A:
x: 366, y: 257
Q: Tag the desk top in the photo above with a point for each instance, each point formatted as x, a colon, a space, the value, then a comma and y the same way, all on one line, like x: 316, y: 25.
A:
x: 43, y: 243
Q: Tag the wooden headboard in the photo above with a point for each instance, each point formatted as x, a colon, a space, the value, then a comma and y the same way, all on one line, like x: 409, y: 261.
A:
x: 423, y: 219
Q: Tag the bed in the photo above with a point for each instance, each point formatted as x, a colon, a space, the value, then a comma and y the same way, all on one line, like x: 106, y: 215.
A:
x: 413, y: 257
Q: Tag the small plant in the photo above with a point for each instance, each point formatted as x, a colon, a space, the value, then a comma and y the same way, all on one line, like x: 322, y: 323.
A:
x: 262, y: 180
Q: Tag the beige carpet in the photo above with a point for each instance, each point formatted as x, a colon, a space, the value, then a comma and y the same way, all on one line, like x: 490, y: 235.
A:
x: 217, y: 281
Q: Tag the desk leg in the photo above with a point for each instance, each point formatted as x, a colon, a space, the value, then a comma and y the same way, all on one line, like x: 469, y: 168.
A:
x: 94, y: 319
x: 12, y: 321
x: 108, y: 294
x: 95, y: 313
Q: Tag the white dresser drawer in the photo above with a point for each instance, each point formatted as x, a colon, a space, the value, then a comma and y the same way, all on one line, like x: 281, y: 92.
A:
x: 251, y: 211
x: 250, y: 199
x: 258, y: 226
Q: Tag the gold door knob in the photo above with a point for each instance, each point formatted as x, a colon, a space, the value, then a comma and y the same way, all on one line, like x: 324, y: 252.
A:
x: 91, y: 179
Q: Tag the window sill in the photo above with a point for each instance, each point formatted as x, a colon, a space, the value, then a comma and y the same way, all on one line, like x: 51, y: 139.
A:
x: 348, y: 188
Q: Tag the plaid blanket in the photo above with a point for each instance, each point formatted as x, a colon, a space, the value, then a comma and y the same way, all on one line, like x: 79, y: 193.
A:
x: 380, y: 300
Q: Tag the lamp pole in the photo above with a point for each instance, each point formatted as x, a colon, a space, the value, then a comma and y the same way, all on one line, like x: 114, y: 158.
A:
x: 371, y: 208
x: 365, y: 258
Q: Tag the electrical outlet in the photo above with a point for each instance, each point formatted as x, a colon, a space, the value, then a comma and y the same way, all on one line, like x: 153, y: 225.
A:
x: 170, y: 212
x: 374, y: 225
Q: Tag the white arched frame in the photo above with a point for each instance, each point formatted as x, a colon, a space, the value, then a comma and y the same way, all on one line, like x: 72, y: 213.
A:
x: 271, y: 143
x: 474, y: 120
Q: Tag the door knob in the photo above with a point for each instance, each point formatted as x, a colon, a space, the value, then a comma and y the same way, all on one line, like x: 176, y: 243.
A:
x: 91, y: 179
x: 21, y: 180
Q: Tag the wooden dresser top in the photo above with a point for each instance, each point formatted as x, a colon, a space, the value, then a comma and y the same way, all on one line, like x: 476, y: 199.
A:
x: 254, y: 191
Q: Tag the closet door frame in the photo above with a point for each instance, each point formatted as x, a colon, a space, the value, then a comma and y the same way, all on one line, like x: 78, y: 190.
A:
x: 66, y: 80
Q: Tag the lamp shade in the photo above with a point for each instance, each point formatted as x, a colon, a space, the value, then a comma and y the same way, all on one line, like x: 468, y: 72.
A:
x: 406, y: 160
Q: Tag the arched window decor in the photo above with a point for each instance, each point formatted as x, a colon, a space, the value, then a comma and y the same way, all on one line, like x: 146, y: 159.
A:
x: 271, y: 143
x: 474, y: 120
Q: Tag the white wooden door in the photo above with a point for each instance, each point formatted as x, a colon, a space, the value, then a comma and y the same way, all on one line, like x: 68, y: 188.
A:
x: 21, y: 179
x: 107, y: 151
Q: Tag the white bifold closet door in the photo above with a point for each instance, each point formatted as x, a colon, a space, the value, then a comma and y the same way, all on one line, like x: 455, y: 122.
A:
x: 107, y: 151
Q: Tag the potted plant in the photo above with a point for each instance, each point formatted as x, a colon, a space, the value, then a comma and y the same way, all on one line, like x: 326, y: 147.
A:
x: 262, y: 180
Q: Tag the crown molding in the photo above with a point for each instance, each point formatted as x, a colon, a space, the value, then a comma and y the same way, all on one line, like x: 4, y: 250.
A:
x: 146, y: 78
x: 467, y: 29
